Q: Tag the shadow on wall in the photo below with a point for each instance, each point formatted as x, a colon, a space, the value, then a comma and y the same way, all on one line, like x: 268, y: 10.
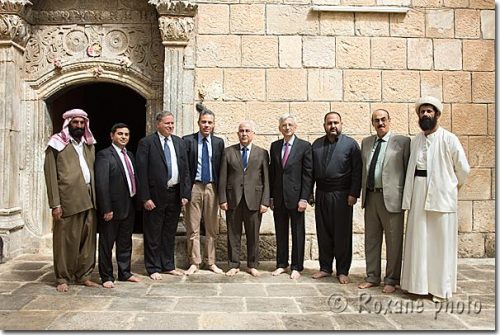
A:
x: 1, y: 250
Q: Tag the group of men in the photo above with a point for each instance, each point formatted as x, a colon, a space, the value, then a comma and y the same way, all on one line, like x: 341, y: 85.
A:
x: 198, y: 174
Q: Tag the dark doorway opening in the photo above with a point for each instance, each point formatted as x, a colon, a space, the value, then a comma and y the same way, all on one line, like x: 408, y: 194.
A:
x: 106, y: 104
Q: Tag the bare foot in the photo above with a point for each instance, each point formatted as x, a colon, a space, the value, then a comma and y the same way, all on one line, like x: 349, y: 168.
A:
x: 108, y: 284
x: 192, y: 269
x: 155, y: 276
x: 134, y: 279
x: 215, y: 269
x: 232, y: 272
x: 278, y: 271
x: 90, y: 283
x: 343, y: 279
x: 320, y: 274
x: 389, y: 289
x: 62, y: 288
x: 366, y: 285
x: 254, y: 272
x: 295, y: 274
x: 175, y: 272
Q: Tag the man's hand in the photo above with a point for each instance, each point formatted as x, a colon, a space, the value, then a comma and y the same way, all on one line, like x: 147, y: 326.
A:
x: 224, y: 206
x: 108, y: 216
x: 302, y: 205
x: 149, y: 205
x: 263, y: 209
x: 57, y: 213
x: 184, y: 202
x: 351, y: 201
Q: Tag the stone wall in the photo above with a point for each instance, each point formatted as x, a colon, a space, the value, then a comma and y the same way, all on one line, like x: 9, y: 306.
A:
x: 257, y: 59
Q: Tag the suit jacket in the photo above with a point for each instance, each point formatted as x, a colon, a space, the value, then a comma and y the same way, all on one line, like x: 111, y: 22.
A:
x: 393, y: 169
x: 64, y: 179
x: 253, y: 183
x: 112, y: 190
x: 294, y: 181
x: 152, y: 170
x: 191, y: 142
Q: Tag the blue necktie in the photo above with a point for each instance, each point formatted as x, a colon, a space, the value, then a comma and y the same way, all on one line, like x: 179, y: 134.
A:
x: 244, y: 157
x: 168, y: 158
x: 205, y: 165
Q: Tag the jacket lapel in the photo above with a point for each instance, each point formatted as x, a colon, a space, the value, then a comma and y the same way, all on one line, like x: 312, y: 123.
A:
x: 118, y: 162
x: 293, y: 152
x: 157, y: 143
x: 237, y: 153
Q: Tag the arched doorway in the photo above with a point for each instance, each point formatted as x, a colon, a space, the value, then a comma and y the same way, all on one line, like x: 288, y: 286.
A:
x: 106, y: 104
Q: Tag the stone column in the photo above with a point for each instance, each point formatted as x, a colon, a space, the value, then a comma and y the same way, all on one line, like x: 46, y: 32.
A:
x: 14, y: 34
x: 176, y: 24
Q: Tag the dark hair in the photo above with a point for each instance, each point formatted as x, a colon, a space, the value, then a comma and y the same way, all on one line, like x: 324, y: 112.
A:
x: 436, y: 110
x: 162, y: 114
x: 329, y: 113
x: 383, y: 110
x: 202, y: 110
x: 118, y: 125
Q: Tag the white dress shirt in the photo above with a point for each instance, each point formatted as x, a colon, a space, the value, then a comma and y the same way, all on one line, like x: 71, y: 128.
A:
x: 175, y: 169
x: 83, y: 164
x: 122, y: 158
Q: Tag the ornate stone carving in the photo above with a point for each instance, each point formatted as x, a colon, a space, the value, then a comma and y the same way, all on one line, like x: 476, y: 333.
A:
x: 87, y: 16
x: 176, y: 30
x: 13, y: 6
x: 14, y: 28
x: 174, y: 8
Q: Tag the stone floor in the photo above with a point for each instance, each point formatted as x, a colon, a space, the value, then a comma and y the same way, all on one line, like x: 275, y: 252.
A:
x: 205, y: 301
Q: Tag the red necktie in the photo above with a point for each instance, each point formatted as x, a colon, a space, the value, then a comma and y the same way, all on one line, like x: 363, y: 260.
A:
x: 129, y: 170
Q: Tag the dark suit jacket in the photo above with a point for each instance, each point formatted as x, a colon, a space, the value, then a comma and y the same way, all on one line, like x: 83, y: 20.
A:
x: 191, y: 142
x: 112, y: 190
x: 253, y: 183
x: 152, y: 170
x: 294, y: 181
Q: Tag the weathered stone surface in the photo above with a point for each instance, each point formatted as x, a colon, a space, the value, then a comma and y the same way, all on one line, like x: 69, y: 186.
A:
x: 489, y: 245
x: 240, y: 290
x: 479, y: 320
x: 290, y: 51
x: 20, y: 276
x: 361, y: 322
x: 400, y: 86
x: 420, y: 53
x: 355, y: 117
x: 62, y: 303
x: 323, y: 85
x: 209, y: 304
x: 362, y: 85
x: 213, y: 19
x: 318, y: 51
x: 484, y: 216
x: 282, y: 305
x: 289, y: 20
x: 266, y: 115
x: 465, y: 216
x: 456, y: 3
x: 238, y: 321
x: 482, y: 4
x: 229, y: 114
x: 431, y: 83
x: 248, y: 19
x: 491, y: 119
x: 259, y: 51
x: 476, y: 185
x: 26, y: 320
x: 310, y: 115
x: 310, y: 322
x: 372, y: 24
x: 286, y: 84
x: 447, y: 54
x: 457, y: 87
x: 404, y: 3
x: 398, y: 113
x: 289, y: 290
x: 426, y: 320
x: 410, y: 25
x: 479, y: 55
x: 244, y: 84
x: 353, y: 52
x: 470, y: 245
x: 179, y: 289
x: 439, y: 23
x: 358, y: 2
x: 218, y: 51
x: 483, y: 154
x: 15, y: 302
x: 209, y: 83
x: 166, y: 321
x: 488, y: 24
x: 93, y: 321
x: 467, y: 23
x: 326, y: 2
x: 427, y: 3
x: 483, y: 87
x: 337, y: 24
x: 462, y: 111
x: 388, y: 53
x: 358, y: 246
x: 151, y: 304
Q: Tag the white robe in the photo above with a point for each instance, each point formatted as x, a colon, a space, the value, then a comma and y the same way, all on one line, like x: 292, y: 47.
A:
x: 431, y: 241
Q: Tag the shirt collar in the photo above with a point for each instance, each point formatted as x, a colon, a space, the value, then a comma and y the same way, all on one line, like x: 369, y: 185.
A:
x: 249, y: 147
x: 292, y: 139
x: 117, y: 148
x: 163, y: 137
x: 82, y: 140
x: 386, y: 136
x: 200, y: 138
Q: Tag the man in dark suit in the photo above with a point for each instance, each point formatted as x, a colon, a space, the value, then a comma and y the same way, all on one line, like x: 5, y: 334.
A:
x: 204, y: 152
x: 290, y: 174
x: 116, y: 187
x: 244, y: 195
x: 164, y: 188
x: 385, y: 158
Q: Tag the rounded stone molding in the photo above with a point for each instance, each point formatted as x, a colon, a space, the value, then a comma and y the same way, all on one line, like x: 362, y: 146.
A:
x: 116, y: 41
x: 75, y: 41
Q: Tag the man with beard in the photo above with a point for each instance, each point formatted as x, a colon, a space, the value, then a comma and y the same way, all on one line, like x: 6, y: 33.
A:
x: 436, y: 170
x: 69, y: 175
x: 337, y: 173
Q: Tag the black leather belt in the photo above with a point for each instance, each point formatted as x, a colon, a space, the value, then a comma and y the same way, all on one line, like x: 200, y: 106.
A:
x: 420, y: 173
x: 376, y: 190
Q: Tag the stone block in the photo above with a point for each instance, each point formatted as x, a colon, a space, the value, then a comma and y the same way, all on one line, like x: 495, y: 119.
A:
x: 484, y: 216
x: 431, y: 83
x: 358, y: 246
x: 476, y: 185
x: 427, y: 3
x: 477, y: 126
x: 388, y: 53
x: 286, y: 84
x: 456, y: 3
x: 355, y: 117
x: 310, y: 115
x: 244, y: 84
x: 362, y: 85
x: 488, y: 24
x: 326, y: 2
x: 228, y: 114
x: 420, y: 53
x: 410, y: 25
x: 483, y: 87
x: 259, y: 51
x: 467, y: 23
x: 483, y: 154
x: 457, y: 87
x: 400, y: 86
x: 213, y: 19
x: 482, y: 4
x: 470, y: 245
x: 479, y: 55
x: 239, y: 321
x: 218, y: 51
x: 464, y: 216
x: 489, y: 245
x: 291, y: 20
x: 318, y: 51
x: 336, y: 24
x: 399, y: 116
x: 248, y: 19
x: 290, y: 51
x: 372, y: 24
x: 447, y: 54
x: 439, y: 23
x: 353, y: 52
x: 491, y: 119
x: 209, y: 83
x: 358, y: 219
x: 266, y: 115
x: 324, y: 84
x: 404, y: 3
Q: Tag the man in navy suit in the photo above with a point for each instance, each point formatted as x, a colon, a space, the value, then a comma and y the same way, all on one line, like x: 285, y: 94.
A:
x: 116, y: 186
x: 290, y: 175
x: 164, y: 188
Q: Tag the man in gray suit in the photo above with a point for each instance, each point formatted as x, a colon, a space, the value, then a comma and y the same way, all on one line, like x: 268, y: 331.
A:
x: 244, y: 195
x: 385, y: 158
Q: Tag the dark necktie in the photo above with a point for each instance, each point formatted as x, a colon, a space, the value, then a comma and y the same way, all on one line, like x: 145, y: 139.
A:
x: 371, y: 170
x: 168, y: 158
x: 205, y: 164
x: 129, y: 170
x: 286, y: 154
x: 244, y: 157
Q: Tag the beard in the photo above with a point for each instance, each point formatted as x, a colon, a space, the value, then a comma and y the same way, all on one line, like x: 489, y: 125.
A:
x: 76, y: 133
x: 427, y: 123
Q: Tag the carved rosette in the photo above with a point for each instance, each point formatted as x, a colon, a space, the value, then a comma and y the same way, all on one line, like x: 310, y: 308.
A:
x: 14, y: 28
x: 176, y: 21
